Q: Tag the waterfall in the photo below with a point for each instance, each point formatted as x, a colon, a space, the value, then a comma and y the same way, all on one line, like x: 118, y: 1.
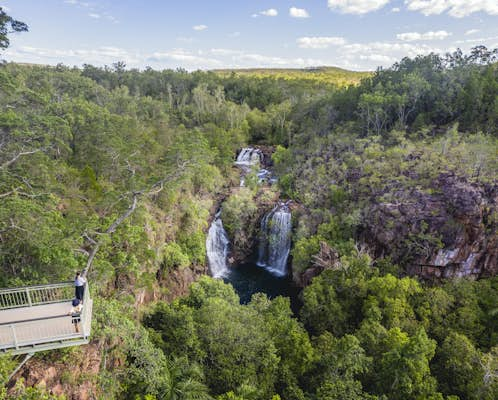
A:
x: 249, y: 156
x: 251, y: 160
x: 217, y: 244
x: 275, y: 243
x: 248, y: 159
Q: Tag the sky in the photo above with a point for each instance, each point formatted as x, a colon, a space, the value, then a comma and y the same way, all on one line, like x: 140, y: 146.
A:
x: 212, y: 34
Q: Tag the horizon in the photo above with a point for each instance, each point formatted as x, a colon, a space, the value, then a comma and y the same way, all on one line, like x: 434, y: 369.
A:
x: 240, y: 69
x: 355, y: 35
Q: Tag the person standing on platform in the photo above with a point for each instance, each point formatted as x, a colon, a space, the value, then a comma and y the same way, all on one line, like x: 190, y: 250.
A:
x: 75, y: 314
x: 79, y: 286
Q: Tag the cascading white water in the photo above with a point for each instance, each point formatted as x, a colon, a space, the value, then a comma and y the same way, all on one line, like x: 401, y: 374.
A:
x: 251, y: 160
x: 275, y: 242
x: 248, y: 159
x: 217, y: 245
x: 249, y: 156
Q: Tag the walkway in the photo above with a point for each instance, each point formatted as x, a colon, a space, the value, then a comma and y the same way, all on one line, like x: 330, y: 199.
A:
x: 35, y: 318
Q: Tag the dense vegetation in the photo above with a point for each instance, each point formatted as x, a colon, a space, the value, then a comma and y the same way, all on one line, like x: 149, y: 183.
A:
x: 127, y: 165
x: 367, y: 335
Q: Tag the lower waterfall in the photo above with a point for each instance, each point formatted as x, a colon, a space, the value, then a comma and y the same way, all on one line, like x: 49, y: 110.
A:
x: 217, y: 245
x: 275, y: 242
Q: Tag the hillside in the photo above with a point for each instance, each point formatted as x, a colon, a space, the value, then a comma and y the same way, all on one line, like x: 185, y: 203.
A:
x: 328, y: 75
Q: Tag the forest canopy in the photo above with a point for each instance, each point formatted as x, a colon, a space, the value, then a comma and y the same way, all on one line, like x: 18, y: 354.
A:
x: 82, y: 147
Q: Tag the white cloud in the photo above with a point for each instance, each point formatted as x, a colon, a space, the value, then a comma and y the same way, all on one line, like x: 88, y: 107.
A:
x: 225, y: 52
x: 106, y: 55
x: 395, y: 9
x: 181, y: 55
x: 472, y: 31
x: 271, y: 12
x: 367, y: 56
x: 259, y: 60
x: 242, y: 59
x: 234, y: 34
x: 111, y: 18
x: 298, y: 13
x: 359, y: 56
x: 378, y: 58
x: 455, y: 8
x: 356, y: 6
x: 94, y: 10
x: 395, y: 51
x: 78, y: 3
x: 100, y: 55
x: 320, y: 42
x: 185, y: 39
x: 199, y: 27
x: 431, y: 35
x: 487, y: 41
x: 5, y: 8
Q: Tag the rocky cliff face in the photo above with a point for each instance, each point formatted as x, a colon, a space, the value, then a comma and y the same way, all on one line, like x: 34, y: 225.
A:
x: 447, y: 231
x: 67, y: 376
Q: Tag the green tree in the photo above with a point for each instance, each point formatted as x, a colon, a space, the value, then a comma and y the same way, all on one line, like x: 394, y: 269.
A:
x: 174, y: 330
x: 7, y: 366
x: 239, y: 350
x: 338, y: 365
x: 322, y: 310
x: 21, y: 392
x: 291, y: 341
x: 458, y: 368
x: 374, y: 108
x: 393, y: 298
x: 237, y: 213
x: 403, y: 370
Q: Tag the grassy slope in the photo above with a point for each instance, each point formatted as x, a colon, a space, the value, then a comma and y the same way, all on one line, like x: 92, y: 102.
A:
x: 332, y: 75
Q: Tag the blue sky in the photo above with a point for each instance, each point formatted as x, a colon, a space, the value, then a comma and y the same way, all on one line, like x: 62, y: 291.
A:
x: 195, y: 34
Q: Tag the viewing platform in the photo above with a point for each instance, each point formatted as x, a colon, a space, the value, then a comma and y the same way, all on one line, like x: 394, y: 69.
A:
x: 35, y: 318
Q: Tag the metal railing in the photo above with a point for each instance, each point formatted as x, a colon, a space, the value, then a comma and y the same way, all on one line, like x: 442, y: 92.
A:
x: 51, y: 330
x: 32, y: 333
x: 28, y: 296
x: 86, y: 314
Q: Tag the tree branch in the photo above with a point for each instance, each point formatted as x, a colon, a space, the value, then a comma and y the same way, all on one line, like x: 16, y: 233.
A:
x: 9, y: 193
x: 153, y: 189
x: 8, y: 163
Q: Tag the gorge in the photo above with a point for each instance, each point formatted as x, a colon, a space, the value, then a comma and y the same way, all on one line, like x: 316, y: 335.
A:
x: 266, y: 268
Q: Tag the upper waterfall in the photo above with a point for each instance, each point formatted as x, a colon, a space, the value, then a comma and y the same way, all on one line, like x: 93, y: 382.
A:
x: 251, y: 159
x: 249, y: 156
